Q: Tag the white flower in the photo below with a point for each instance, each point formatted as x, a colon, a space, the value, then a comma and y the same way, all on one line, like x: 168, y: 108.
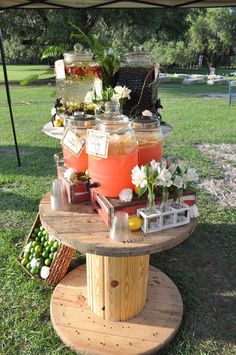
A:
x: 53, y: 111
x: 44, y: 273
x: 27, y: 247
x: 122, y: 91
x: 172, y: 168
x: 89, y: 97
x: 69, y: 174
x: 147, y: 113
x: 194, y: 211
x: 192, y: 175
x: 115, y: 98
x: 139, y: 176
x: 126, y: 195
x: 155, y: 166
x: 34, y: 262
x: 178, y: 182
x: 50, y: 238
x: 164, y: 178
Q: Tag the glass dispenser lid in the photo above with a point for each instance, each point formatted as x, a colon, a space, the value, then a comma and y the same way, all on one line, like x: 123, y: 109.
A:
x: 137, y: 57
x: 80, y: 120
x: 78, y: 55
x: 145, y: 121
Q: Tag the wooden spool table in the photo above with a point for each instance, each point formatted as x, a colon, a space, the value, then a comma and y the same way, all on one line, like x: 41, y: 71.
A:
x: 116, y: 304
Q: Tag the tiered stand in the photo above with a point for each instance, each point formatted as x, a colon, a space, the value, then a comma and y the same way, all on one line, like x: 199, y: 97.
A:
x: 116, y: 304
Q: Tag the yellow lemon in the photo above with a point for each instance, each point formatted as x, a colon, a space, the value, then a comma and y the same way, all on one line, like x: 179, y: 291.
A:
x: 90, y: 107
x: 137, y: 189
x: 58, y: 122
x: 135, y: 223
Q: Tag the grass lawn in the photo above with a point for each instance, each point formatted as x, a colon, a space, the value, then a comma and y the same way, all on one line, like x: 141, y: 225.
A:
x: 19, y: 72
x: 201, y: 267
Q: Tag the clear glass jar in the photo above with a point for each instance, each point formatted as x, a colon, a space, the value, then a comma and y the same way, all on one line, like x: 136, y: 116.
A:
x: 79, y: 123
x: 139, y: 74
x: 149, y: 137
x: 82, y: 74
x: 113, y: 173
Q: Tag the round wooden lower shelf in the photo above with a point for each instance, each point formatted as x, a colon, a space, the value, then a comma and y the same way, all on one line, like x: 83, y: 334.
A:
x: 82, y: 330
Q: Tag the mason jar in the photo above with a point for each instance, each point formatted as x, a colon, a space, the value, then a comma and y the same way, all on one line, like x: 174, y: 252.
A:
x: 78, y: 123
x: 113, y: 172
x: 149, y: 137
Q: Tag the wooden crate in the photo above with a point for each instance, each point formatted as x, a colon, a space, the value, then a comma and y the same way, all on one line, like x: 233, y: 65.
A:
x: 76, y: 192
x: 60, y: 263
x: 107, y: 207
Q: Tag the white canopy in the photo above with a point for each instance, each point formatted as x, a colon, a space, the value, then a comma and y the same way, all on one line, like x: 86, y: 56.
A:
x: 13, y: 4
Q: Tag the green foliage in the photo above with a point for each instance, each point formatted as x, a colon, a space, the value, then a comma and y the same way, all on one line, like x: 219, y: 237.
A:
x: 53, y: 51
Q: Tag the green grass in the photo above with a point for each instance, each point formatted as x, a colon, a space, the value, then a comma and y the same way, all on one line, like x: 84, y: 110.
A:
x: 19, y: 72
x: 201, y: 267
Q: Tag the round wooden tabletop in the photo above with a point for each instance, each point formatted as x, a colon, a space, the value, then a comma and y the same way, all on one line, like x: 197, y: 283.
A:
x: 81, y: 228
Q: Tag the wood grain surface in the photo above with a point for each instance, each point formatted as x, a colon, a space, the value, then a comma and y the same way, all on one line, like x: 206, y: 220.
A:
x: 82, y: 330
x: 117, y: 286
x: 81, y: 228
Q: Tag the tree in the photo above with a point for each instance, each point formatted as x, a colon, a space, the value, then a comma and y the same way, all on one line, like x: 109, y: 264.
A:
x: 213, y: 35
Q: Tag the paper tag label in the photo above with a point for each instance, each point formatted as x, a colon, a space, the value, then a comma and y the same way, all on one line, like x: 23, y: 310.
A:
x: 73, y: 141
x: 97, y: 143
x: 60, y: 69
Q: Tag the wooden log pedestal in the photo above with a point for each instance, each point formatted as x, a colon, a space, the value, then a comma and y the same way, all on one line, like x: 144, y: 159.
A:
x: 117, y: 306
x: 117, y: 286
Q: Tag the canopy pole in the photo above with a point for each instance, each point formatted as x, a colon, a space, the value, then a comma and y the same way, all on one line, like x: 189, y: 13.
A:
x: 8, y: 96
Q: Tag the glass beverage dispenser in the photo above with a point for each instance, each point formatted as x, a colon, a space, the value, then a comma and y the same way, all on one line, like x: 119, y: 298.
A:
x: 82, y: 75
x: 139, y: 74
x: 79, y: 123
x: 113, y: 172
x: 149, y: 137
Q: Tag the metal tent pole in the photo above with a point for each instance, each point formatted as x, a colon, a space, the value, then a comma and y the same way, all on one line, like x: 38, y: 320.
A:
x: 8, y: 96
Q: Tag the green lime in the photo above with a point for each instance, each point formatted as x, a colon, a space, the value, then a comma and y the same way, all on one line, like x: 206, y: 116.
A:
x: 52, y: 249
x: 48, y: 248
x: 24, y: 261
x: 37, y: 230
x: 41, y: 228
x: 36, y: 255
x: 45, y: 232
x: 37, y: 239
x: 47, y: 262
x: 26, y: 254
x: 42, y: 239
x: 56, y: 244
x: 35, y: 270
x: 46, y: 244
x: 34, y: 244
x: 30, y: 257
x: 38, y: 249
x: 51, y: 256
x: 40, y: 234
x: 46, y: 237
x: 28, y: 266
x: 50, y: 243
x: 45, y: 254
x: 32, y: 250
